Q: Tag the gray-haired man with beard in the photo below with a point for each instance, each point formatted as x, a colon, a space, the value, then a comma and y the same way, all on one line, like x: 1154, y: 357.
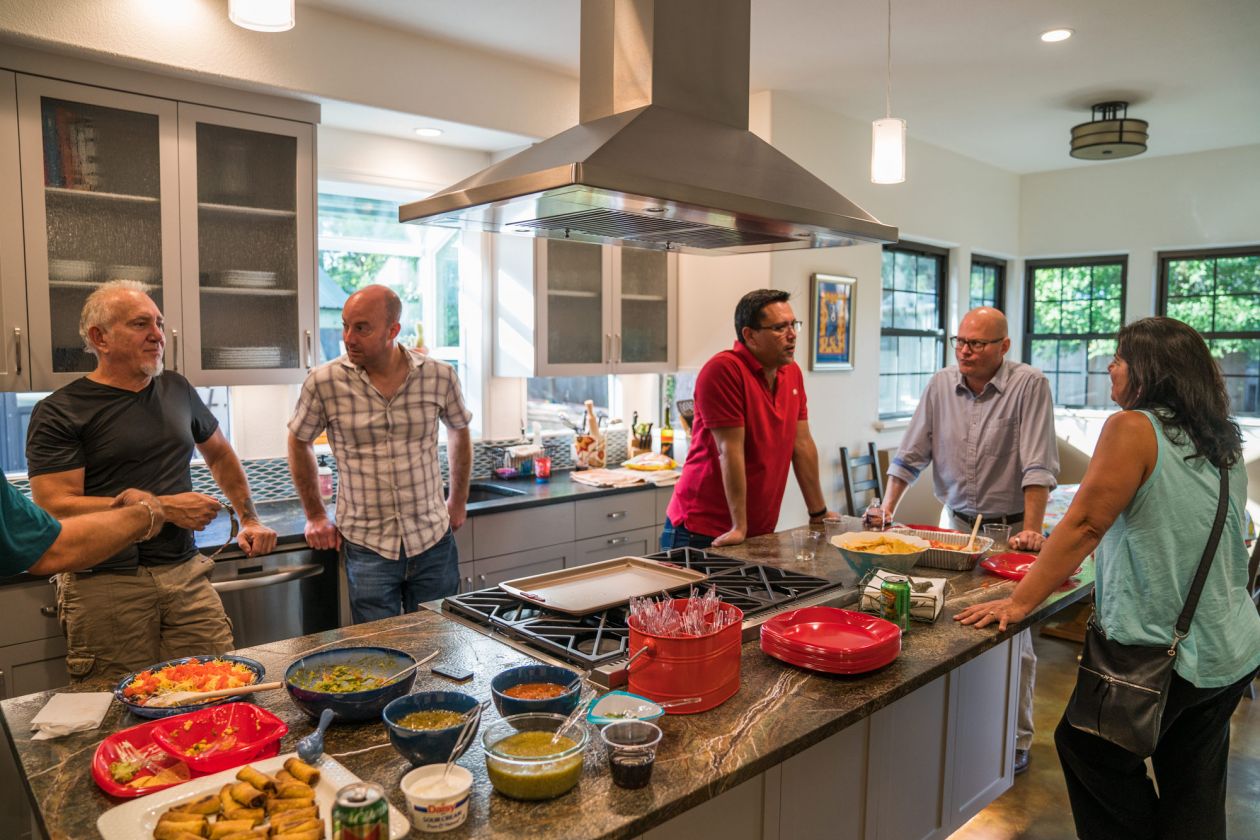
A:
x: 129, y: 425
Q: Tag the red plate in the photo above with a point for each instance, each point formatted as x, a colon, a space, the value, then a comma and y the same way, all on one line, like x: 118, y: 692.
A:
x: 832, y: 631
x: 1013, y: 564
x: 855, y: 662
x: 828, y: 666
x: 141, y: 737
x: 220, y: 737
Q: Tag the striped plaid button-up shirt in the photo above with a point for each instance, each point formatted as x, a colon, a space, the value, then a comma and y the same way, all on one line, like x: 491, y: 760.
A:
x: 390, y: 493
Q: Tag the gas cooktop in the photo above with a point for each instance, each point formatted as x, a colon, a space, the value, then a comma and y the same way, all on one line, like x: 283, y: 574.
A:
x: 599, y: 642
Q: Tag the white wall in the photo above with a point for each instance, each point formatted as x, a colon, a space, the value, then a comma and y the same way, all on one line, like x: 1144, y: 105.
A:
x: 393, y: 162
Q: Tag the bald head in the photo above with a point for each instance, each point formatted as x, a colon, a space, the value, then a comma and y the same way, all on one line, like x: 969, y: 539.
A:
x: 985, y: 322
x: 981, y: 346
x: 376, y: 298
x: 369, y: 325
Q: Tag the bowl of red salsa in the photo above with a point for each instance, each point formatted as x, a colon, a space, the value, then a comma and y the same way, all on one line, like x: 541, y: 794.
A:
x: 546, y: 689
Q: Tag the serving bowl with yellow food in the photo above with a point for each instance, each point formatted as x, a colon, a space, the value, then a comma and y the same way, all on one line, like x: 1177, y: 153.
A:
x: 868, y: 550
x: 355, y: 682
x: 525, y: 759
x: 424, y: 727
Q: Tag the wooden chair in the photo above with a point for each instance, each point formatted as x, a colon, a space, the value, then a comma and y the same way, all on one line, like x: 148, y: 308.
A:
x: 872, y: 483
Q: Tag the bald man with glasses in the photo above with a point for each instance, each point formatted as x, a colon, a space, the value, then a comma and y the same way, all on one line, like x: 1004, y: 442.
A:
x: 988, y: 426
x: 750, y: 425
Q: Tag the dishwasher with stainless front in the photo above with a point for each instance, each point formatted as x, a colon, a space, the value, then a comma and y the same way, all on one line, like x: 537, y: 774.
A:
x: 279, y: 596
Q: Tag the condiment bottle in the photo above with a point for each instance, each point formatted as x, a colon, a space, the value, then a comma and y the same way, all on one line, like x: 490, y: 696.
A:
x: 325, y: 480
x: 667, y: 436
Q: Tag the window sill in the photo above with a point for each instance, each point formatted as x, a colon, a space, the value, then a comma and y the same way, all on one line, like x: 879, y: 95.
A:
x: 891, y: 423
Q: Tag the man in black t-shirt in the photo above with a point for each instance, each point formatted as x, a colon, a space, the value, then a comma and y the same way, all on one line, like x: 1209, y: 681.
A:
x: 127, y: 424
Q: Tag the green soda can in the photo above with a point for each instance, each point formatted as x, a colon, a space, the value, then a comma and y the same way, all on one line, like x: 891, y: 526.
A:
x: 895, y: 594
x: 361, y: 813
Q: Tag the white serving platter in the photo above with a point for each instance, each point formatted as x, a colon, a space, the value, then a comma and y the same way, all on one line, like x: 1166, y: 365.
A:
x: 137, y: 818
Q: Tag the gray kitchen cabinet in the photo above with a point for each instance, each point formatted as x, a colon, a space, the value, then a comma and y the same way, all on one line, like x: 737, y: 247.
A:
x: 32, y: 648
x: 578, y: 309
x: 494, y: 570
x: 212, y: 208
x: 610, y: 514
x: 496, y: 534
x: 637, y: 543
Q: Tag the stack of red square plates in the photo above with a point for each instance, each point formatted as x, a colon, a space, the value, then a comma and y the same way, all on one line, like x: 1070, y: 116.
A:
x: 831, y: 640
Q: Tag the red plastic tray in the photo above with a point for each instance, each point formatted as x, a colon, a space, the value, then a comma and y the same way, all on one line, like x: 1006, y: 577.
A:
x: 1013, y: 564
x: 826, y: 665
x: 832, y: 631
x: 141, y: 737
x: 235, y: 734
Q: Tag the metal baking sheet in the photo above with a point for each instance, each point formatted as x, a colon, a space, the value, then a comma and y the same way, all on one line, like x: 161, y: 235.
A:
x: 598, y: 586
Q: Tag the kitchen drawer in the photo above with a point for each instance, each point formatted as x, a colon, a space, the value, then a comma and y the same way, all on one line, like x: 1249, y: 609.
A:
x: 30, y: 612
x: 496, y: 534
x: 663, y: 495
x: 495, y: 570
x: 613, y: 514
x: 33, y: 666
x: 637, y: 543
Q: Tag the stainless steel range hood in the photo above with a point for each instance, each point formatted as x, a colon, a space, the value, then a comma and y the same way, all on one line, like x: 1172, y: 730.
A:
x: 662, y: 157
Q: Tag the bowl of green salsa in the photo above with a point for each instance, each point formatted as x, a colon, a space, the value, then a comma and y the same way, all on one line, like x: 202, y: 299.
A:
x: 524, y: 762
x: 424, y: 727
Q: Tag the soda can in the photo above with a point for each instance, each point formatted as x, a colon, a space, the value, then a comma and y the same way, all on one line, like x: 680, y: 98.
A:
x: 895, y: 594
x: 361, y: 813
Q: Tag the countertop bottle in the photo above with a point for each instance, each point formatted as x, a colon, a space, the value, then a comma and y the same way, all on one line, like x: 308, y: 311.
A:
x: 667, y: 436
x: 325, y: 479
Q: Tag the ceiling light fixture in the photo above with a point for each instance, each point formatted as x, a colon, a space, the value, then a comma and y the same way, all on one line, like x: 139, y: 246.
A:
x: 1053, y: 36
x: 262, y: 15
x: 888, y: 136
x: 1110, y: 134
x: 429, y: 132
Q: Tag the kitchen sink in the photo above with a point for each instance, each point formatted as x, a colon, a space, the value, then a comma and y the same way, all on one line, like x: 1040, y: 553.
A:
x: 481, y: 491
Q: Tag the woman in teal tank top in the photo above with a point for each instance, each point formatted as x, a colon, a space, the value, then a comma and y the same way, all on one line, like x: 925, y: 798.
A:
x: 1146, y: 504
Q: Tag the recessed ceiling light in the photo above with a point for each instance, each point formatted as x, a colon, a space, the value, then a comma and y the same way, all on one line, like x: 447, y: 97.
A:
x: 429, y: 132
x: 1055, y: 35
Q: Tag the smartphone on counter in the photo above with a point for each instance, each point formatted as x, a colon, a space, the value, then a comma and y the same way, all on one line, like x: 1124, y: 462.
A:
x: 453, y: 672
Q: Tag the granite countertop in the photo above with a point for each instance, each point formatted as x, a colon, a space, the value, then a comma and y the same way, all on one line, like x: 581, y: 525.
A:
x: 779, y: 711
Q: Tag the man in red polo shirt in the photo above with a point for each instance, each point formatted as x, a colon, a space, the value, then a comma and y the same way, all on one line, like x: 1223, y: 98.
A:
x: 751, y: 423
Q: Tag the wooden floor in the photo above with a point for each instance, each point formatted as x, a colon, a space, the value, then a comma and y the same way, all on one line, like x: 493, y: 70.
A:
x: 1036, y: 807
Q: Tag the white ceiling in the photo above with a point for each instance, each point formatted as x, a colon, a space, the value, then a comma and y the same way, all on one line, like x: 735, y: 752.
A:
x: 970, y: 76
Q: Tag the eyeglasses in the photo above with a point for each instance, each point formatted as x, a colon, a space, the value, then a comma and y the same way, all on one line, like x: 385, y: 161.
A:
x: 235, y: 529
x: 780, y: 329
x: 975, y: 345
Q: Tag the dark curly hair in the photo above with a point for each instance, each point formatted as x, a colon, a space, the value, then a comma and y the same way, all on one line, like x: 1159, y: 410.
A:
x: 748, y: 310
x: 1172, y: 374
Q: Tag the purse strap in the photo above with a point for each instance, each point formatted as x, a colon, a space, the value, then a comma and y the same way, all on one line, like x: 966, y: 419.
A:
x: 1205, y: 564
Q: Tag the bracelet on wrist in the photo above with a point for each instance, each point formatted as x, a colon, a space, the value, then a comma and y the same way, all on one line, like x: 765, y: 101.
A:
x: 818, y: 514
x: 148, y: 533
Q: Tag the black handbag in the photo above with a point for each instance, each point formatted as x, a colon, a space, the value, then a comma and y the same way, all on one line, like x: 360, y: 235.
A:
x: 1121, y: 689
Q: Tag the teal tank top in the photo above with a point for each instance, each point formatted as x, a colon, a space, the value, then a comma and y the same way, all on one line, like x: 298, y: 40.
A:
x: 1147, y: 560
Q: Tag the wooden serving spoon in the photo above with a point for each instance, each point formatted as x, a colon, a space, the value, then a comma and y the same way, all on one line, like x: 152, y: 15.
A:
x: 185, y: 698
x: 975, y: 529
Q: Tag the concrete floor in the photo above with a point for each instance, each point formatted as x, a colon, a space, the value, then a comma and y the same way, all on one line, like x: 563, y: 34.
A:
x: 1036, y: 807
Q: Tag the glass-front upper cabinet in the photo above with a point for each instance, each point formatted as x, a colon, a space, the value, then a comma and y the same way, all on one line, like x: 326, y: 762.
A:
x: 248, y: 246
x: 15, y: 368
x: 100, y: 180
x: 574, y: 334
x: 645, y: 305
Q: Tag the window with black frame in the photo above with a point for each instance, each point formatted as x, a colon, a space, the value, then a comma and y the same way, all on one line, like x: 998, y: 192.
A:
x: 1075, y: 308
x: 912, y: 325
x: 1218, y: 293
x: 988, y: 283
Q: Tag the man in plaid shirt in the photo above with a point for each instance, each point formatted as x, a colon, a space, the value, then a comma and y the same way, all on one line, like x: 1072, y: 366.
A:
x: 380, y: 404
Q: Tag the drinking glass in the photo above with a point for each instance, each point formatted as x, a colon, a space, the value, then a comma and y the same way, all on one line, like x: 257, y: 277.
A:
x: 805, y: 543
x: 631, y: 751
x: 1000, y: 534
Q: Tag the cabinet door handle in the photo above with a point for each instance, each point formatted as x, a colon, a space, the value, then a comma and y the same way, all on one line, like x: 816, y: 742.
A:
x: 468, y: 584
x: 481, y: 579
x: 17, y: 348
x: 175, y: 350
x: 48, y: 610
x: 309, y: 350
x: 608, y: 346
x: 617, y: 514
x: 619, y: 540
x: 617, y: 339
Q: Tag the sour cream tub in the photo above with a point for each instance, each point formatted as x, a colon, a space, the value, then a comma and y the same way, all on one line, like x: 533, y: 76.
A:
x: 437, y: 804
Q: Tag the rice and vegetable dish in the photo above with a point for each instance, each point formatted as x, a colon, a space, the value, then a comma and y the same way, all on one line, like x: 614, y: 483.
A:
x: 193, y: 675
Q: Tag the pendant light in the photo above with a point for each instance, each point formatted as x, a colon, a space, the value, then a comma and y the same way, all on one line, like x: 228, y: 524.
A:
x: 888, y: 136
x: 1110, y: 135
x: 262, y: 15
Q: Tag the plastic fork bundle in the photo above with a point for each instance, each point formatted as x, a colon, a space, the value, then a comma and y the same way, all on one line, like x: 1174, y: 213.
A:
x: 702, y: 615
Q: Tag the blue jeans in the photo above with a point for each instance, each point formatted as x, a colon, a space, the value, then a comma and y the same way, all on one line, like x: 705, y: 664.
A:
x: 382, y: 588
x: 677, y: 536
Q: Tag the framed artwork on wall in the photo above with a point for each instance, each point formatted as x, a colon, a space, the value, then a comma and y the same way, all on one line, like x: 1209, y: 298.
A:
x: 831, y: 322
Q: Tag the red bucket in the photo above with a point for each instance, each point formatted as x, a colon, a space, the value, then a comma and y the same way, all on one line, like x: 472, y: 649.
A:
x: 672, y: 668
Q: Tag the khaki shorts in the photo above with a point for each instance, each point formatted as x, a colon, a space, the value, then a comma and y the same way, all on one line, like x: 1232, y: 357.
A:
x: 119, y: 622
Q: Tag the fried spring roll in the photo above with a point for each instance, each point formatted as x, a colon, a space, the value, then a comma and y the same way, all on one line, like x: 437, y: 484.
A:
x: 296, y: 827
x: 226, y: 802
x: 207, y: 805
x: 180, y: 831
x: 284, y: 819
x: 223, y: 828
x: 252, y: 834
x: 283, y: 776
x: 255, y: 814
x: 295, y: 790
x: 181, y: 817
x: 302, y: 771
x: 275, y: 805
x: 309, y: 834
x: 247, y: 795
x: 257, y: 778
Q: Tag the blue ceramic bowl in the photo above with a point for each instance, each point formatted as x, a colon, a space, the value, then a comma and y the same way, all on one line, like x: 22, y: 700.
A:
x: 561, y: 705
x: 427, y: 746
x: 146, y: 712
x: 369, y: 662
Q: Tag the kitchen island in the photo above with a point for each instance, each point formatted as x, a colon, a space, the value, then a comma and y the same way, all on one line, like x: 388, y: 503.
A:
x: 791, y: 752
